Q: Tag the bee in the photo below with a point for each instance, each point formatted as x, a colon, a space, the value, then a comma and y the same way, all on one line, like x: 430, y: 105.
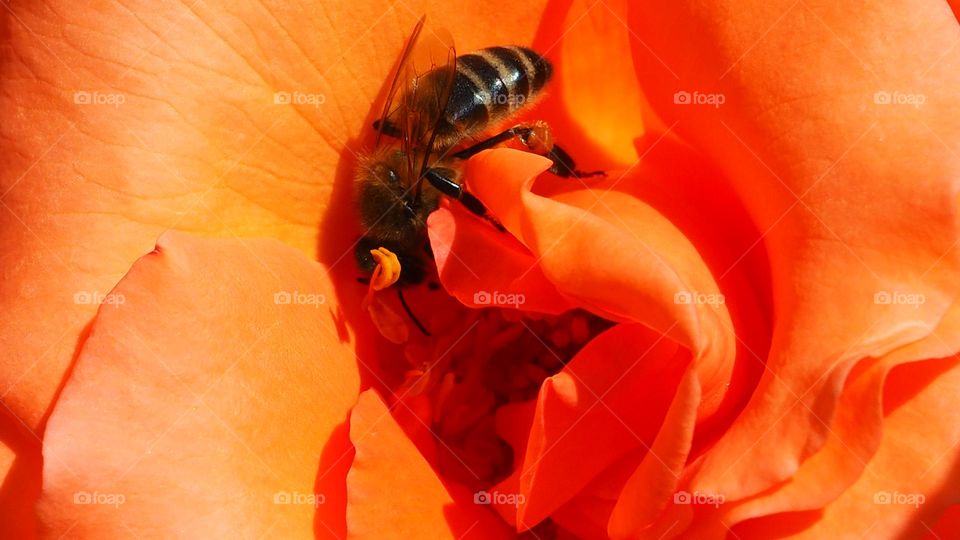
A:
x: 427, y: 114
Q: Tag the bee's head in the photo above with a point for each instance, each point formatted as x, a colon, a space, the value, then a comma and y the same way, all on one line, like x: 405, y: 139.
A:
x: 389, y: 206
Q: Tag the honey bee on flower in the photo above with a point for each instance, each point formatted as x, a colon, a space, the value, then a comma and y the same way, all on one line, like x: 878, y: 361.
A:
x: 435, y: 102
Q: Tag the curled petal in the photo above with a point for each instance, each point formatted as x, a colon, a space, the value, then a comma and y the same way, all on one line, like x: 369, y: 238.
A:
x: 855, y: 435
x: 474, y: 258
x: 652, y: 485
x: 912, y: 478
x: 583, y: 237
x: 599, y: 405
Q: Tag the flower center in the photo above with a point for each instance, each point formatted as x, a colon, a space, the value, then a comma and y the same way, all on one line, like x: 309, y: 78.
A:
x: 501, y: 356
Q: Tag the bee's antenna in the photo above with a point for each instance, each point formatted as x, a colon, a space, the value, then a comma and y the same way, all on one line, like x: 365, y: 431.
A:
x: 413, y: 317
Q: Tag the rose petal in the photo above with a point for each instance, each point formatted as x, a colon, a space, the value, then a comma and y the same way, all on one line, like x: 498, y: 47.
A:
x: 651, y: 487
x: 210, y: 397
x: 855, y: 434
x: 7, y: 456
x: 393, y: 492
x: 694, y: 195
x: 581, y: 38
x: 513, y: 424
x: 464, y: 248
x: 948, y: 523
x: 588, y: 513
x: 600, y: 405
x: 580, y: 516
x: 582, y: 237
x: 801, y: 122
x: 913, y: 477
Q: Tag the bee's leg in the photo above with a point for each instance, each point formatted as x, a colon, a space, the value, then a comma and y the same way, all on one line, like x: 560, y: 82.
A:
x: 563, y: 164
x: 455, y: 191
x: 539, y: 139
x: 388, y: 128
x: 519, y: 132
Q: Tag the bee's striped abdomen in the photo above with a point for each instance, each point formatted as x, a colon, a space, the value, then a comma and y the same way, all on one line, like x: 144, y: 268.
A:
x: 492, y: 83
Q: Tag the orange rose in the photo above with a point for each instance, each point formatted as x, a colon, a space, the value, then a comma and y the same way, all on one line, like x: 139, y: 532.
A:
x: 749, y: 328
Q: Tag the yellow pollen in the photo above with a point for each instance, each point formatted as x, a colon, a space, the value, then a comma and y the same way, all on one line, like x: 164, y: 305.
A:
x: 387, y: 271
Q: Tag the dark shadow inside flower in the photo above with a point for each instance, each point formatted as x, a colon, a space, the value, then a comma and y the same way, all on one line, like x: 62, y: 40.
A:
x: 335, y: 462
x: 20, y: 450
x: 22, y: 481
x: 335, y: 250
x: 786, y: 523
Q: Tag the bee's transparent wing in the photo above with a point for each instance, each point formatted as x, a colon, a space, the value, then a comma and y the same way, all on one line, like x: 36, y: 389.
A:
x: 429, y: 73
x: 389, y: 115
